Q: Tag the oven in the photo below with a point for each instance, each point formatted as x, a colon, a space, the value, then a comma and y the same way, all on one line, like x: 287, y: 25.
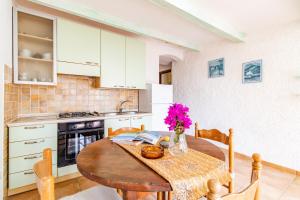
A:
x: 74, y: 136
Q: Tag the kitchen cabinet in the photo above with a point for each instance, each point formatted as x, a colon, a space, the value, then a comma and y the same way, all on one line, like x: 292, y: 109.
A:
x: 34, y: 52
x: 116, y: 123
x: 122, y: 62
x: 26, y: 144
x: 135, y: 64
x: 27, y: 177
x: 78, y: 48
x: 137, y: 121
x: 132, y: 121
x: 112, y: 60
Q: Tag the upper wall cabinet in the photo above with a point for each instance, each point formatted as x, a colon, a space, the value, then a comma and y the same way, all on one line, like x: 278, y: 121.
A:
x: 34, y: 48
x: 122, y: 62
x: 112, y: 60
x: 78, y: 48
x: 135, y: 64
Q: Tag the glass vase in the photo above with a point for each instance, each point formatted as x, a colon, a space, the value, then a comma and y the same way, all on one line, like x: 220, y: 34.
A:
x: 178, y: 144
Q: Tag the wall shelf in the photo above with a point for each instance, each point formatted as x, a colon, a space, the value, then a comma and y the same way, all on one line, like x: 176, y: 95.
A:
x: 25, y: 35
x: 35, y: 59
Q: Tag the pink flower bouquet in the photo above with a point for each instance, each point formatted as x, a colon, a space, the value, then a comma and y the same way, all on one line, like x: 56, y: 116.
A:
x: 178, y: 119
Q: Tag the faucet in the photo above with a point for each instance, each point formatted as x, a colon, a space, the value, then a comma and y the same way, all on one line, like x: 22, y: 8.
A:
x: 121, y: 105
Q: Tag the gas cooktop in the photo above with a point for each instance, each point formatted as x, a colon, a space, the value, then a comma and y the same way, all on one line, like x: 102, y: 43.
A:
x: 79, y: 114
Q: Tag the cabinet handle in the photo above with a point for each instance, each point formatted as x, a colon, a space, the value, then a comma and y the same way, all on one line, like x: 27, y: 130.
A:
x: 34, y: 142
x: 32, y: 157
x: 28, y: 173
x: 34, y: 127
x: 115, y: 86
x: 121, y: 86
x: 133, y: 86
x: 124, y: 119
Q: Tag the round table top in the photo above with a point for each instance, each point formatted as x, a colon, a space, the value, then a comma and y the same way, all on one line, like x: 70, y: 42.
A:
x: 109, y: 164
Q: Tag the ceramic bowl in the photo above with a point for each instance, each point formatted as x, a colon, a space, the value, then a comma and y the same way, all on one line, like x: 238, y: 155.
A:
x: 152, y: 152
x: 47, y: 56
x: 25, y: 53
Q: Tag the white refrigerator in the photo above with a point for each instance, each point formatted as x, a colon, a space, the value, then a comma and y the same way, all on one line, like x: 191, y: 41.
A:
x: 156, y: 99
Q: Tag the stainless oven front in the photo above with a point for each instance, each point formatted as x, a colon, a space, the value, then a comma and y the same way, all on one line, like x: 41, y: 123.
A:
x: 73, y: 137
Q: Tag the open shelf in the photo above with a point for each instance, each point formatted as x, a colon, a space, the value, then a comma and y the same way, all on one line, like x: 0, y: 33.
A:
x: 25, y: 35
x: 35, y: 59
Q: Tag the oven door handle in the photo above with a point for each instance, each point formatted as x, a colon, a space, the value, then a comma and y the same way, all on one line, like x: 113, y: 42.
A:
x: 81, y: 131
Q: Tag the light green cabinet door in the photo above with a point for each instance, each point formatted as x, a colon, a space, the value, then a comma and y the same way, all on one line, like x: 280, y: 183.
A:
x: 135, y: 64
x: 116, y: 124
x: 112, y: 60
x: 137, y: 121
x: 77, y: 43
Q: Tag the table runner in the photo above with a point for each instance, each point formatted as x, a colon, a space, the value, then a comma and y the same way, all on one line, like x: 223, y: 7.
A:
x: 187, y: 173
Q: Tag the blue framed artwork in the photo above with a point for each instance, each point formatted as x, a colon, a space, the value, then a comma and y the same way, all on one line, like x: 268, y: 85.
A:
x: 216, y: 68
x: 252, y: 71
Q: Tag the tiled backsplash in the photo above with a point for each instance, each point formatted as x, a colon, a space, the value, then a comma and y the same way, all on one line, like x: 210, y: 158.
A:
x: 72, y: 93
x: 10, y: 96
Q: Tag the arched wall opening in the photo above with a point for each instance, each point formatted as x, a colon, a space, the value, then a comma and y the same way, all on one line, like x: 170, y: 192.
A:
x: 166, y: 63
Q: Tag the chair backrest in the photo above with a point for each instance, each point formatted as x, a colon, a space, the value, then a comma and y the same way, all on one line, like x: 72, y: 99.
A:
x: 252, y: 192
x: 124, y: 130
x: 45, y: 180
x: 218, y: 136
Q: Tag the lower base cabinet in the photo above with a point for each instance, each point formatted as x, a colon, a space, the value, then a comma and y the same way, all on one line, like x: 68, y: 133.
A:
x: 132, y: 121
x: 62, y: 171
x: 116, y: 123
x: 26, y: 144
x: 23, y: 163
x: 137, y: 121
x: 24, y: 178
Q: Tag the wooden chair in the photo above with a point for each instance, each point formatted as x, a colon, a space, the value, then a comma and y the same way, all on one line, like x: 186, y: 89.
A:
x: 112, y: 133
x: 218, y: 136
x: 252, y: 192
x: 45, y: 183
x: 45, y: 180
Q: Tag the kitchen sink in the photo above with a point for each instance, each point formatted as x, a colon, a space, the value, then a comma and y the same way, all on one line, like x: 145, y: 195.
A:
x: 128, y: 113
x: 121, y: 113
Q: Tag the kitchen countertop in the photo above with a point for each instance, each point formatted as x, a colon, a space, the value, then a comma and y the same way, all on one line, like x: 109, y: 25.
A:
x: 53, y: 119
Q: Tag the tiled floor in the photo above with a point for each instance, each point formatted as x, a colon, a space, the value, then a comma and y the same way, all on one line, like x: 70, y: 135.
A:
x: 276, y: 185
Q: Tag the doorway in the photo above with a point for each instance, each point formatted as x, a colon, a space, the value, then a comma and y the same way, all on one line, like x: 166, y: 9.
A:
x: 165, y: 69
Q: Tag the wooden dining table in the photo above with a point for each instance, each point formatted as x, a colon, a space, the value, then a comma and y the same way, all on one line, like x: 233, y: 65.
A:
x: 109, y: 164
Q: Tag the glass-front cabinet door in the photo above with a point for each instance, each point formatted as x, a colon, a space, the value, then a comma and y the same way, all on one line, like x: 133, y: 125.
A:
x: 34, y: 48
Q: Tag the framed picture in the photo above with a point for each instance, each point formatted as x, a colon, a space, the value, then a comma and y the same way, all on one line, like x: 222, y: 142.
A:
x: 252, y: 71
x: 216, y: 68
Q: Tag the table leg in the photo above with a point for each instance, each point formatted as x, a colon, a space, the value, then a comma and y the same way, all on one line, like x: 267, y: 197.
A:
x: 159, y: 195
x: 164, y: 194
x: 129, y: 195
x: 169, y: 195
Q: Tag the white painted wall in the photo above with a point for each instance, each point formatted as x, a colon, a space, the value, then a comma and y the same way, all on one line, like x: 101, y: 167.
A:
x: 154, y: 49
x: 265, y: 116
x: 5, y: 58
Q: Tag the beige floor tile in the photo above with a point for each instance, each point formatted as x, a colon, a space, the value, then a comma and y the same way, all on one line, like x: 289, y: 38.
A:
x: 276, y: 185
x: 66, y: 188
x: 275, y: 178
x: 293, y: 191
x: 85, y: 183
x: 31, y: 195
